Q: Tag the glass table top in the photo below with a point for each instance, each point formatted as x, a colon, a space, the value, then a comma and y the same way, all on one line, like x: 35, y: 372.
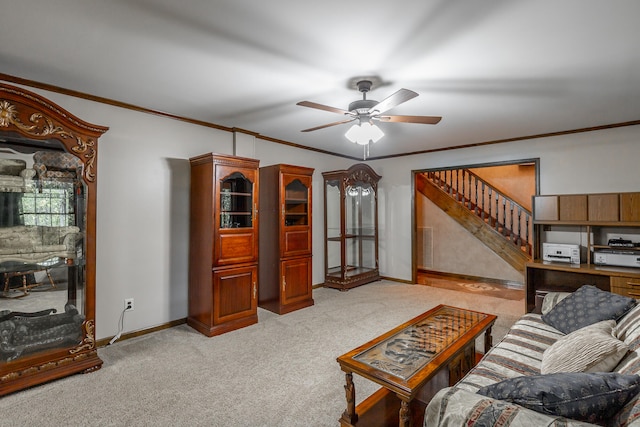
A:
x: 410, y: 349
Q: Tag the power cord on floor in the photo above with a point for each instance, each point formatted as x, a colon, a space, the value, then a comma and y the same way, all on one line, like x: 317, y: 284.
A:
x: 120, y: 327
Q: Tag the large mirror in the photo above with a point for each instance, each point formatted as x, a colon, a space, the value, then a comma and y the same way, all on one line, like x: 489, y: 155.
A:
x: 48, y: 163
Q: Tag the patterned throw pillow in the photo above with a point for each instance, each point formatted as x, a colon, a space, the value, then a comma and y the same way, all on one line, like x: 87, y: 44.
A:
x: 587, y: 306
x: 589, y: 349
x: 551, y: 299
x: 589, y: 397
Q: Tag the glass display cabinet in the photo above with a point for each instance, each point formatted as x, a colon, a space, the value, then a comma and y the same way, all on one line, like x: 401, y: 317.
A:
x: 223, y: 243
x: 285, y: 238
x: 351, y: 227
x: 48, y: 162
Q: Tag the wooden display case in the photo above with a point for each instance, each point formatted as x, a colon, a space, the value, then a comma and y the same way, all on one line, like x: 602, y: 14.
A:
x: 351, y: 227
x: 223, y: 243
x: 48, y: 228
x: 285, y: 238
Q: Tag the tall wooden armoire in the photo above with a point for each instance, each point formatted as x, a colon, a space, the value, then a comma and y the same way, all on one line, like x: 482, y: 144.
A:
x: 285, y: 238
x: 223, y: 249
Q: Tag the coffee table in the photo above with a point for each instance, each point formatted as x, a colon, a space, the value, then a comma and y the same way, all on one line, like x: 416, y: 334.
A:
x: 412, y: 362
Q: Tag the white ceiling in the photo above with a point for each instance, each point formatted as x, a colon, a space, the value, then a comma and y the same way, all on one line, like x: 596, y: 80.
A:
x: 493, y: 69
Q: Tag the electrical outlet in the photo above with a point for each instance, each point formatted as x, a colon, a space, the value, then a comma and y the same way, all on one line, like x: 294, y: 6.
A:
x: 128, y: 304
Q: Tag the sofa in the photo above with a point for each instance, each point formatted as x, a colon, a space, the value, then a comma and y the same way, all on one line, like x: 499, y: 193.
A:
x: 574, y: 363
x: 36, y: 243
x: 15, y: 177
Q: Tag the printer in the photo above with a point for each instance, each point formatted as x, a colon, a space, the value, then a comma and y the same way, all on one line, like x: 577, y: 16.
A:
x: 561, y: 252
x: 620, y: 258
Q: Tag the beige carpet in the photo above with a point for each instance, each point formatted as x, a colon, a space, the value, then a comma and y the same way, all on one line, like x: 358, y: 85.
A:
x: 279, y: 372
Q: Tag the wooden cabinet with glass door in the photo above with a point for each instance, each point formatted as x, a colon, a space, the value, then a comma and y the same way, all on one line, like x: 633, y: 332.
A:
x: 223, y: 243
x: 285, y: 238
x: 351, y: 227
x: 48, y: 163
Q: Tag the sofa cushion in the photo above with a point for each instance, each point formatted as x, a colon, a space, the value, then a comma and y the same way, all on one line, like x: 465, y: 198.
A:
x: 12, y: 167
x: 551, y: 299
x: 589, y: 349
x: 587, y: 306
x: 628, y: 328
x: 583, y: 396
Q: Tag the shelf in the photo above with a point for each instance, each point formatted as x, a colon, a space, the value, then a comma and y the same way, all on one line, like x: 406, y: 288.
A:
x: 233, y: 193
x: 586, y: 268
x: 588, y: 223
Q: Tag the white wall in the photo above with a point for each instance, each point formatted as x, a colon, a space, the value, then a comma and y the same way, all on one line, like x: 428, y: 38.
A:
x: 143, y: 198
x: 142, y: 240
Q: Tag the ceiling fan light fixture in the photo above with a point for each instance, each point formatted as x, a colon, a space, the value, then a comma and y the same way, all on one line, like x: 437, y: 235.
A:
x: 364, y: 133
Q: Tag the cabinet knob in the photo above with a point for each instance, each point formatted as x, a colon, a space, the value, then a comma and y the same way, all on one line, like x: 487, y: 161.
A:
x: 284, y: 284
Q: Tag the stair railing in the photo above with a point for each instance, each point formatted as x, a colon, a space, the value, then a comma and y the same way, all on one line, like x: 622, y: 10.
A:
x: 492, y: 205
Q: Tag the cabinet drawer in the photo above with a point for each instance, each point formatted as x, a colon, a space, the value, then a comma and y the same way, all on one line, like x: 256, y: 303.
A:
x: 628, y: 286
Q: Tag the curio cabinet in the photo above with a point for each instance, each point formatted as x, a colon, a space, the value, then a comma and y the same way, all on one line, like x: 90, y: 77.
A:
x: 351, y: 227
x: 223, y: 243
x: 285, y: 238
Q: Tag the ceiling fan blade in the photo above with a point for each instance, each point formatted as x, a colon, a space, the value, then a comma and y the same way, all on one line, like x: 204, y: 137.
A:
x: 397, y: 98
x: 328, y: 125
x: 322, y: 107
x: 427, y: 120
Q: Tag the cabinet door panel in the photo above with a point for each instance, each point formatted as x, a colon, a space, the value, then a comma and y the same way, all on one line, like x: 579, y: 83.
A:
x: 603, y: 207
x: 545, y: 208
x: 630, y: 207
x: 296, y: 280
x: 573, y: 207
x: 296, y: 242
x: 235, y: 248
x: 234, y: 293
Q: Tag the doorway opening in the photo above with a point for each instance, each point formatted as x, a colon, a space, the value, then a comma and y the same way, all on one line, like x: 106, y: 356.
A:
x: 441, y: 246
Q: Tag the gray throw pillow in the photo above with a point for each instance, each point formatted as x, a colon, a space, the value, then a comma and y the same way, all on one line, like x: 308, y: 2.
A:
x: 589, y: 349
x: 587, y: 306
x: 589, y: 397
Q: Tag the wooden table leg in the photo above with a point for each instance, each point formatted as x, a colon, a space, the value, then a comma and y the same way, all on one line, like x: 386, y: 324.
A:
x: 488, y: 342
x: 405, y: 415
x: 349, y: 415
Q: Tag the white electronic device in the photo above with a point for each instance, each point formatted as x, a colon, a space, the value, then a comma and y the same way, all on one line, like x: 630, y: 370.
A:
x: 619, y: 258
x: 561, y: 252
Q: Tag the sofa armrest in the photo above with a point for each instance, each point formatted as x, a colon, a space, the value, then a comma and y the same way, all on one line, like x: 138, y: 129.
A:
x: 70, y: 240
x: 28, y: 173
x: 455, y: 407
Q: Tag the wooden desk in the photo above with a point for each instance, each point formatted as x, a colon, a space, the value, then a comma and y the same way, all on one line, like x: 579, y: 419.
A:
x: 411, y: 363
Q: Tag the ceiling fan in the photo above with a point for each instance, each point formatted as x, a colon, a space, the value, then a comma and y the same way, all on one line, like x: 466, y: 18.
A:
x: 367, y: 110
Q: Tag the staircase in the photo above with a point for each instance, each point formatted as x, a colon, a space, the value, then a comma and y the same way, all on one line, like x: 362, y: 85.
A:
x: 494, y: 218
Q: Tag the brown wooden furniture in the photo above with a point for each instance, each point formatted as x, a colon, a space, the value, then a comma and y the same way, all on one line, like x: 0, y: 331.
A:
x: 413, y: 362
x: 285, y: 238
x: 351, y: 227
x: 223, y: 243
x: 589, y: 220
x: 30, y: 123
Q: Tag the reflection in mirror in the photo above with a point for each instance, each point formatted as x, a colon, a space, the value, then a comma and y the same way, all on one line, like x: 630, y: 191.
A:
x: 42, y: 238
